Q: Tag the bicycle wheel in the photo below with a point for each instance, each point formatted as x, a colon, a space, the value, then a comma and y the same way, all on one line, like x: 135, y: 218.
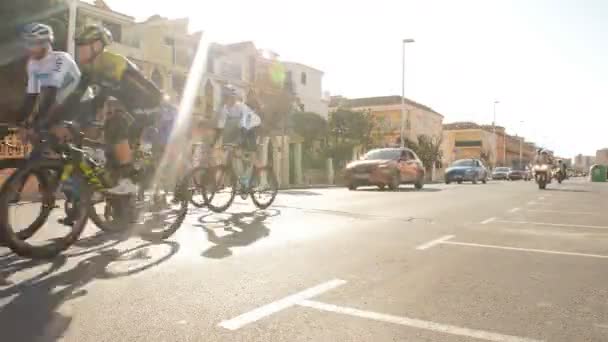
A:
x: 264, y: 187
x: 194, y: 184
x: 161, y: 212
x: 51, y: 243
x: 45, y: 201
x: 220, y: 188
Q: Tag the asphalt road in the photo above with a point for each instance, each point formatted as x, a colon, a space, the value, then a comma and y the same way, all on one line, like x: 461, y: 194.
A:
x: 497, y: 262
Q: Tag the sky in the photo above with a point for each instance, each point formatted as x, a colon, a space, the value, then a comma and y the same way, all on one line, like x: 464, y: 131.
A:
x: 543, y: 60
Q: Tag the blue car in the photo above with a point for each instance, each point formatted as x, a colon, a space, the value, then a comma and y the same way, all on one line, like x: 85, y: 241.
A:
x: 466, y: 170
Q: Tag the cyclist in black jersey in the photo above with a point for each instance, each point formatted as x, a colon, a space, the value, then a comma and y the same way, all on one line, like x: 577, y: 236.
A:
x: 114, y: 75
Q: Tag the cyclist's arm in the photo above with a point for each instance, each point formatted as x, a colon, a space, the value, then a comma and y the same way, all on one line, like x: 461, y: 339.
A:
x: 26, y: 108
x: 46, y: 108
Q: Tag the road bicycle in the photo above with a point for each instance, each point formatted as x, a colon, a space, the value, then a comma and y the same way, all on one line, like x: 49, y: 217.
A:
x: 222, y: 184
x: 154, y: 209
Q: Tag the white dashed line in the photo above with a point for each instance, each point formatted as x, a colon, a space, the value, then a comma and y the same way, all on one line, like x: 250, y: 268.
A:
x: 552, y: 224
x: 415, y: 323
x: 491, y: 219
x: 533, y: 250
x: 514, y: 210
x: 432, y: 243
x: 279, y: 305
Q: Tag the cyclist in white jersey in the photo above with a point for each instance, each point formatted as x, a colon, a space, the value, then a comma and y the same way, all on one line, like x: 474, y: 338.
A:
x: 237, y: 124
x: 53, y: 79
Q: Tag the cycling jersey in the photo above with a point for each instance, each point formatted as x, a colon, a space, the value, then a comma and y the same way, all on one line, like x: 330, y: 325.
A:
x: 58, y: 70
x: 118, y: 77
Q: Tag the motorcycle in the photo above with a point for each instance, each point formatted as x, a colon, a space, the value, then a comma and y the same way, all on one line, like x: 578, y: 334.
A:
x: 542, y: 175
x: 559, y: 175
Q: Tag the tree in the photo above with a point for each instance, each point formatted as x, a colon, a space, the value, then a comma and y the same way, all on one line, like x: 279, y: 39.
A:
x: 428, y: 149
x: 310, y: 126
x: 353, y: 126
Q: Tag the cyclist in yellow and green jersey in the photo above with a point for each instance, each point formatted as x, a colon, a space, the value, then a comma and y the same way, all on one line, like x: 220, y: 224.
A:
x: 114, y: 75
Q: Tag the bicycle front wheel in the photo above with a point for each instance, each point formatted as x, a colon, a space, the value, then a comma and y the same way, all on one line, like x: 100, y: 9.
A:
x: 47, y: 243
x: 194, y: 184
x: 25, y: 208
x: 220, y: 188
x: 264, y: 187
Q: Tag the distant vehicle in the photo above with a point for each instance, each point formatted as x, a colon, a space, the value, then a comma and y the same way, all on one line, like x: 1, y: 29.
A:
x: 501, y: 173
x: 386, y: 167
x: 520, y: 174
x: 466, y: 170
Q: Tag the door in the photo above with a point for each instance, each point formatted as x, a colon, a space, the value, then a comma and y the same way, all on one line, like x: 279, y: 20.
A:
x: 407, y: 166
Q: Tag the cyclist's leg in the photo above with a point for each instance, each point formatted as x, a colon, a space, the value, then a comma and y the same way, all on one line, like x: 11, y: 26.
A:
x: 116, y: 133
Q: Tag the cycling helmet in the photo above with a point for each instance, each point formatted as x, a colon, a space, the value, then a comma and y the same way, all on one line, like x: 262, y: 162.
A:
x: 92, y: 33
x: 37, y: 33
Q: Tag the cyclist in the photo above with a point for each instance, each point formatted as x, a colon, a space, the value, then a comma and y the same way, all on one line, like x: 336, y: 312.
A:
x: 237, y: 123
x: 116, y: 76
x: 53, y: 83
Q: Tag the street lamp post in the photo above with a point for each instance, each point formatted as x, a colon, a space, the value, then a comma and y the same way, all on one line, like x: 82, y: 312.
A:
x: 521, y: 142
x: 494, y: 131
x: 403, y: 42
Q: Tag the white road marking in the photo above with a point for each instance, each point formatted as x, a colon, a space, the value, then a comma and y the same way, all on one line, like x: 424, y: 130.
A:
x: 562, y: 212
x: 432, y: 243
x: 491, y: 219
x: 514, y: 210
x: 531, y: 203
x: 541, y: 198
x: 545, y: 251
x: 281, y: 304
x: 552, y: 224
x: 416, y: 323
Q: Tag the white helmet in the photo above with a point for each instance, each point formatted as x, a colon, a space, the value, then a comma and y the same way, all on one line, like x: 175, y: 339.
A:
x: 36, y: 33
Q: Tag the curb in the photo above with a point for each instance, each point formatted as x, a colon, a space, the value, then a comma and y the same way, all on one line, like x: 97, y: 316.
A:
x: 311, y: 186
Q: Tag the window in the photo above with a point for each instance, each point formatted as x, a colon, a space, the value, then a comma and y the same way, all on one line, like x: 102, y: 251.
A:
x: 303, y: 78
x: 115, y: 29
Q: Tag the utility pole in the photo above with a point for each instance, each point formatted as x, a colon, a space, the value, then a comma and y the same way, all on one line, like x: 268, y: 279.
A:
x: 402, y: 139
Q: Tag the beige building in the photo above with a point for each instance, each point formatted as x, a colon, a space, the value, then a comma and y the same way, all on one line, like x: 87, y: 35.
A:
x: 162, y: 49
x: 386, y: 110
x: 485, y: 142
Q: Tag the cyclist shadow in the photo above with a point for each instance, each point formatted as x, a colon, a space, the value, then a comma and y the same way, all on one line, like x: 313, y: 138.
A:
x: 34, y: 314
x: 245, y: 229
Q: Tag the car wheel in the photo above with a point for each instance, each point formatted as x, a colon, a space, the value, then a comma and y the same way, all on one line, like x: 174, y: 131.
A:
x: 447, y: 181
x: 352, y: 187
x: 381, y: 187
x: 394, y: 186
x: 419, y: 185
x: 475, y: 180
x: 485, y: 180
x: 459, y: 182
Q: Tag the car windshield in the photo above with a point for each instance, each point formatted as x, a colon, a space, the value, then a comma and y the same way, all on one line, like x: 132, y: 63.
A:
x: 382, y: 155
x: 502, y: 169
x: 464, y: 162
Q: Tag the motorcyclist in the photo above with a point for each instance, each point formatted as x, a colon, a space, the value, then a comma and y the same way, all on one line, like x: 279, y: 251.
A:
x: 562, y: 168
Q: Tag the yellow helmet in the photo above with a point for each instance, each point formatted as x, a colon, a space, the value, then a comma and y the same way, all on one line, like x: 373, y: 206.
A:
x: 93, y: 33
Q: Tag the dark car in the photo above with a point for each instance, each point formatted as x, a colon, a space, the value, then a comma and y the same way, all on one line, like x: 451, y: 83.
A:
x: 386, y: 167
x: 501, y: 173
x: 519, y: 174
x: 466, y: 170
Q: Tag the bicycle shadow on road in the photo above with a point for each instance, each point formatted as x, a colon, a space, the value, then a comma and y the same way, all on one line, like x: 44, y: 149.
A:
x: 245, y: 229
x: 34, y: 314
